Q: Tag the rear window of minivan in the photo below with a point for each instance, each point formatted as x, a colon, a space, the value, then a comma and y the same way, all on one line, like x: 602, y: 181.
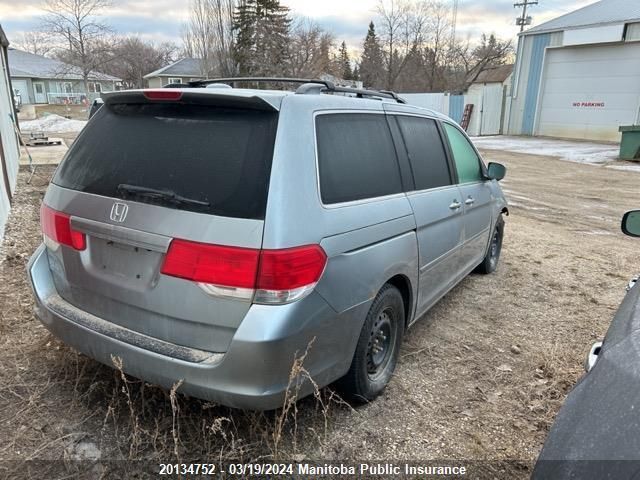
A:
x: 204, y: 153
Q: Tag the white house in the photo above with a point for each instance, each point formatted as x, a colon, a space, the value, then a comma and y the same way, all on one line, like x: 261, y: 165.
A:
x: 46, y: 80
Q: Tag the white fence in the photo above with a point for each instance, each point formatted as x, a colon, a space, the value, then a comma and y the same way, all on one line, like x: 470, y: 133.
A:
x: 71, y: 98
x: 488, y: 103
x: 433, y: 101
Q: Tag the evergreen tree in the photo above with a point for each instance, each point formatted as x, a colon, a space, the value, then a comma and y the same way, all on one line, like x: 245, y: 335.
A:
x: 345, y: 63
x: 262, y: 37
x: 244, y: 23
x: 371, y: 63
x: 356, y: 73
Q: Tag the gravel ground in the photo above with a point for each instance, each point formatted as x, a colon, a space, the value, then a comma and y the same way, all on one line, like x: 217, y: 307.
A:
x: 481, y: 376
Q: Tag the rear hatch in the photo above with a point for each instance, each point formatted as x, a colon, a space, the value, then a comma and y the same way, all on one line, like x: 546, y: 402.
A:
x: 156, y: 181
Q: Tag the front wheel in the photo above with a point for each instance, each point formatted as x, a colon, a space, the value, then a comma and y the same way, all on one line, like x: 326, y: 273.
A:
x: 490, y: 261
x: 378, y: 346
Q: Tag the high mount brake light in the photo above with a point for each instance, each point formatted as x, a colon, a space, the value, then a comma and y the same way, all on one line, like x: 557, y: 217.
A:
x: 264, y: 276
x: 57, y: 226
x: 165, y: 94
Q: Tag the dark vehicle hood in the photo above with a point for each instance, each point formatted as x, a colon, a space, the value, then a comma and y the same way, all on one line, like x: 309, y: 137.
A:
x: 599, y: 423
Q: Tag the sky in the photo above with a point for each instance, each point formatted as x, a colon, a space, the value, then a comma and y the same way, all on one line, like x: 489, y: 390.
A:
x: 161, y: 20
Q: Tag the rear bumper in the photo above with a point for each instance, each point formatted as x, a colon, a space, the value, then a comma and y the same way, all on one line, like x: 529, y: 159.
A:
x: 253, y: 373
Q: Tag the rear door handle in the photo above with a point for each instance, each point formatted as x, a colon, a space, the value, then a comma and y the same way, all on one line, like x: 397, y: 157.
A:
x: 470, y: 201
x: 455, y: 205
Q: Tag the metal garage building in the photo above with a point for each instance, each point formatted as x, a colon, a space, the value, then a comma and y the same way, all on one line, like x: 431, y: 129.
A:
x: 9, y: 149
x: 578, y: 76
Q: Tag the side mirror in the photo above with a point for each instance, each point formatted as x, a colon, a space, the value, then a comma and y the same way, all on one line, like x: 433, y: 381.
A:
x: 496, y: 171
x: 631, y: 223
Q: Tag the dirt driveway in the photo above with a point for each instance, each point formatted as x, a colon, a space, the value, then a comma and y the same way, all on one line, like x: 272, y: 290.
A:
x: 481, y: 377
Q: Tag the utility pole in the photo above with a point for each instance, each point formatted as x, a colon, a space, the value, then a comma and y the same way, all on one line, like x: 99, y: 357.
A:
x: 524, y: 20
x: 452, y: 40
x: 454, y: 22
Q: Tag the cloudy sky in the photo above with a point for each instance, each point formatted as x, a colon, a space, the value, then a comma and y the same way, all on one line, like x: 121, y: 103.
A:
x: 347, y: 19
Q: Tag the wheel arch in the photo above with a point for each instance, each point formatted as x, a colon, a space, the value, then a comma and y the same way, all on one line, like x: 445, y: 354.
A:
x: 403, y: 284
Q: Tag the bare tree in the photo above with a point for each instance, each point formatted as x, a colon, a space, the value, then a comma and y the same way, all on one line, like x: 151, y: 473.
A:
x: 133, y: 58
x: 86, y: 39
x: 208, y: 35
x: 405, y: 31
x: 38, y: 43
x: 310, y: 50
x: 393, y: 15
x: 489, y: 53
x: 439, y: 43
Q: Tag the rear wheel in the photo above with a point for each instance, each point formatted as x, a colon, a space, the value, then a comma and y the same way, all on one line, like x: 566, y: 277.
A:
x: 490, y: 261
x: 376, y: 354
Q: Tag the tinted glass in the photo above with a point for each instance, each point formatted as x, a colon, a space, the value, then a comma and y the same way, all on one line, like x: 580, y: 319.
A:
x: 631, y: 225
x: 204, y: 153
x: 356, y: 157
x: 466, y: 159
x: 426, y: 152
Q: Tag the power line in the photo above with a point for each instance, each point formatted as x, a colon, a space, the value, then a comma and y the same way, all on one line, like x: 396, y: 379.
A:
x: 524, y: 20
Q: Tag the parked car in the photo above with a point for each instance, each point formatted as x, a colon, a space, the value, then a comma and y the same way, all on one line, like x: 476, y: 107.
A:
x: 17, y: 100
x: 597, y: 431
x: 215, y: 235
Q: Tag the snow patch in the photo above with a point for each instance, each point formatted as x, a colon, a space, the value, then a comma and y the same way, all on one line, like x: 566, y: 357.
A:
x: 626, y: 168
x: 580, y: 152
x: 52, y: 123
x: 595, y: 232
x: 527, y: 207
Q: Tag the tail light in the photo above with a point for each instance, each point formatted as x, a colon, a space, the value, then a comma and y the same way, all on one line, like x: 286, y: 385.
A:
x: 167, y: 95
x: 266, y: 276
x: 57, y: 227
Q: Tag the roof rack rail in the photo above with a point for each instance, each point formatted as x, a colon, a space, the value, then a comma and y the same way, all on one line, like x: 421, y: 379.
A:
x: 309, y: 86
x: 358, y: 92
x: 208, y: 81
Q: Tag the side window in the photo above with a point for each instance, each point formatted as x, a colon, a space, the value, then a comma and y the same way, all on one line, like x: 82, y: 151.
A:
x: 356, y: 157
x: 426, y: 152
x: 465, y: 157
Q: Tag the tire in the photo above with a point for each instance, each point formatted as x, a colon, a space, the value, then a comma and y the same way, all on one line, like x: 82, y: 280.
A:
x: 378, y: 346
x: 490, y: 262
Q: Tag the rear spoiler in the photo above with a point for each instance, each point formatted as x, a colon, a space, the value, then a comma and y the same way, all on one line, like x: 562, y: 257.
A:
x: 214, y: 98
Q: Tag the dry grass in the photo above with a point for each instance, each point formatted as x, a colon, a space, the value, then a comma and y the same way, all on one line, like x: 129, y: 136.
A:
x: 57, y: 401
x: 460, y: 391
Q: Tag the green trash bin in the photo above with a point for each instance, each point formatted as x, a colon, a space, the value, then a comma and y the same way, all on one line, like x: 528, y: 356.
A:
x: 630, y: 143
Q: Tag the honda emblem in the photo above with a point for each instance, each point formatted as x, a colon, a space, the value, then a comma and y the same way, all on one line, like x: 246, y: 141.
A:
x: 119, y: 212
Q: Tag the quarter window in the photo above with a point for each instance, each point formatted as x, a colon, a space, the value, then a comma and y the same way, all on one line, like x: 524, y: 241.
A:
x: 426, y: 152
x: 465, y: 157
x: 356, y: 157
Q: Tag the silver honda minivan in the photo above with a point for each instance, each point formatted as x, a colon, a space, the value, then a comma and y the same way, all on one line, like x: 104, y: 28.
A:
x: 214, y: 235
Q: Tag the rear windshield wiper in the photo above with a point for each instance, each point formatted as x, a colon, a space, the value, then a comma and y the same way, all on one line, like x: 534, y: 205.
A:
x: 166, y: 195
